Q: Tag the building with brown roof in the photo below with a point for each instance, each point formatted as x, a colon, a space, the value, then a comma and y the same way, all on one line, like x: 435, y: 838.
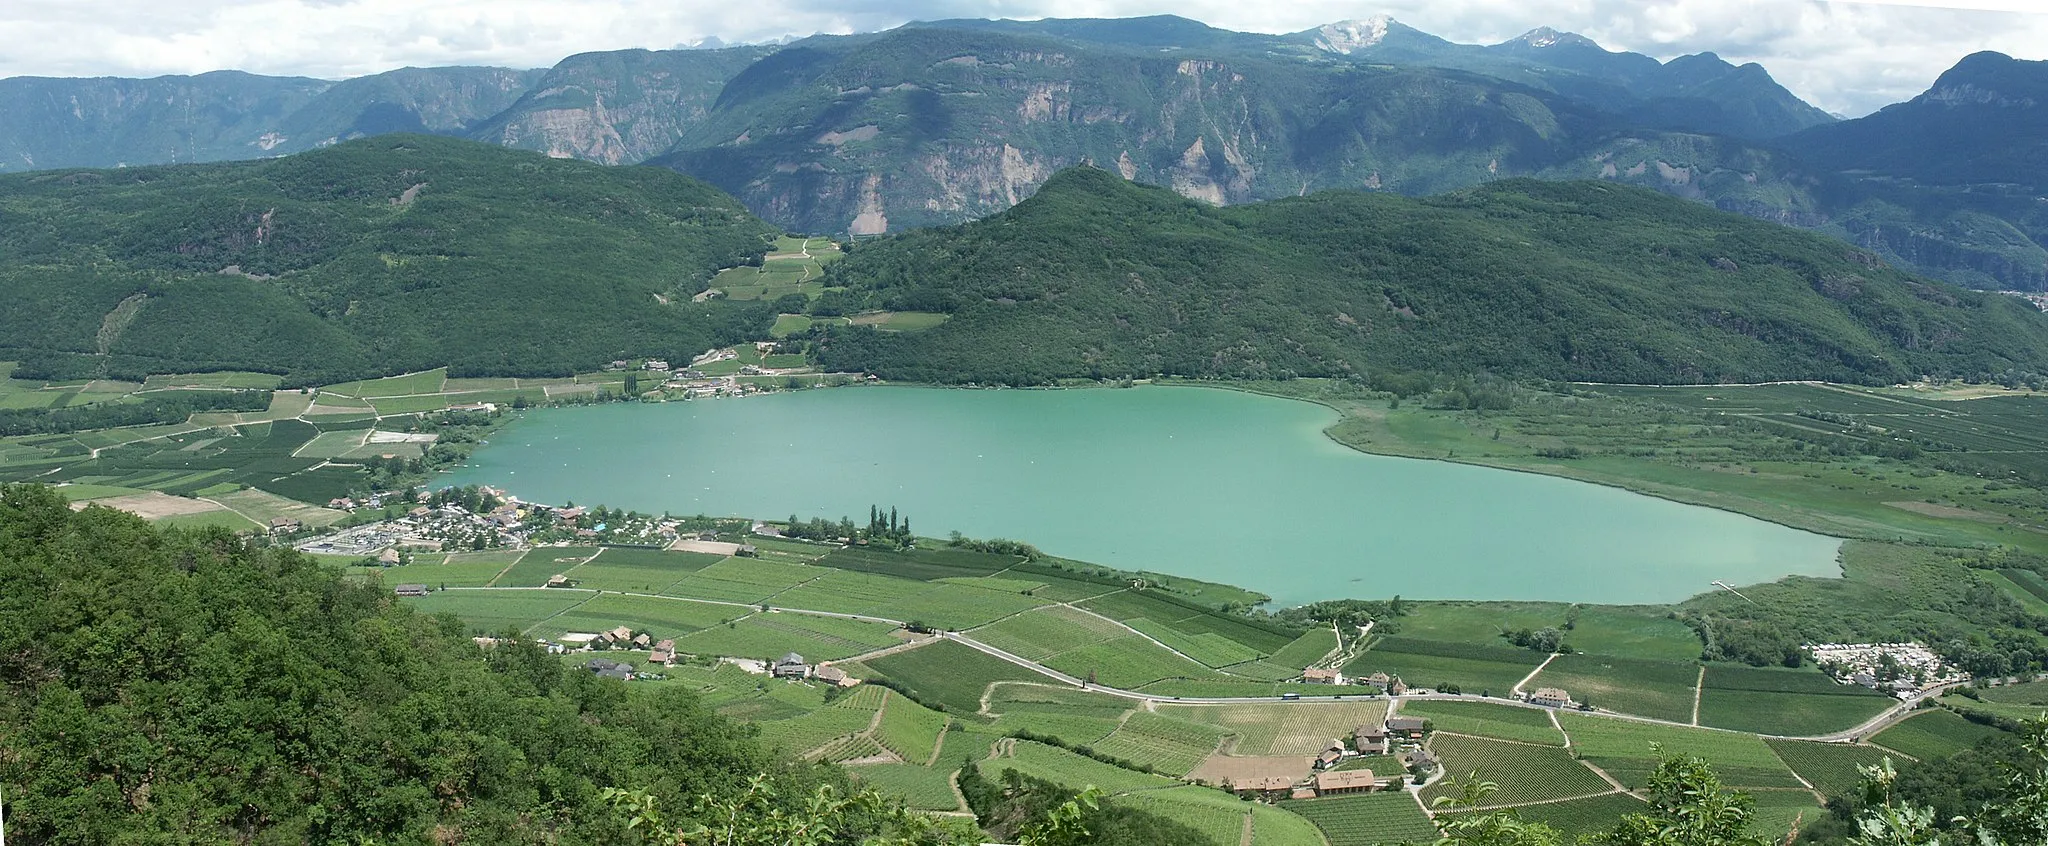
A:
x: 1316, y: 675
x: 1349, y: 781
x: 1411, y: 728
x: 834, y: 676
x: 1369, y: 740
x: 1551, y: 697
x: 1273, y: 786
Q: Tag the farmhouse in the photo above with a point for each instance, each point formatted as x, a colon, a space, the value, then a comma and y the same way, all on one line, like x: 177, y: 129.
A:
x: 410, y: 590
x: 1350, y: 781
x: 1550, y: 697
x: 617, y: 638
x: 1272, y: 786
x: 834, y: 676
x: 1419, y: 760
x: 642, y: 641
x: 790, y: 666
x: 1411, y: 728
x: 389, y: 557
x: 1369, y: 740
x: 559, y: 580
x: 664, y: 653
x: 283, y: 525
x: 1329, y: 758
x: 1315, y: 675
x: 1386, y: 684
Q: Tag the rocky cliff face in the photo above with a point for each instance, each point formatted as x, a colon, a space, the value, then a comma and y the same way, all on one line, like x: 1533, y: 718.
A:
x: 100, y: 122
x: 618, y: 108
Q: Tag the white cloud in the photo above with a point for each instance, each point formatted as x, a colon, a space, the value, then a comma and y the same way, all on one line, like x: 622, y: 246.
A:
x: 1843, y: 56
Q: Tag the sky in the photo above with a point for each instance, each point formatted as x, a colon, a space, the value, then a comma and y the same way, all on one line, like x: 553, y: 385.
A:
x: 1846, y: 57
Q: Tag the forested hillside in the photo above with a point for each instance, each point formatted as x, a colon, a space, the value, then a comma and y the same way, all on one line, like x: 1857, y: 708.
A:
x: 164, y: 686
x: 387, y: 255
x: 1097, y: 277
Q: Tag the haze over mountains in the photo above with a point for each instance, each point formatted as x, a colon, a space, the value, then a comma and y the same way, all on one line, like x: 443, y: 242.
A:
x: 937, y: 123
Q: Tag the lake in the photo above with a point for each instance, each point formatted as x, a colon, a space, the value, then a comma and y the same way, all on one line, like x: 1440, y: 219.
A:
x: 1212, y: 484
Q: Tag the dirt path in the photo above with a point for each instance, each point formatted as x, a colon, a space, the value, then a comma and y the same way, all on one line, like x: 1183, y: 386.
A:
x: 1245, y: 838
x: 1617, y: 789
x: 1517, y: 690
x: 1699, y: 687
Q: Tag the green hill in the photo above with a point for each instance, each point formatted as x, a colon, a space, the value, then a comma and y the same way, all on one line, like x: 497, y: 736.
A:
x: 392, y: 254
x: 1097, y: 277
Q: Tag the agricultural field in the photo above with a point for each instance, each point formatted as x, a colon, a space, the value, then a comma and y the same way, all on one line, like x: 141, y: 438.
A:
x: 1218, y: 816
x: 637, y: 570
x: 462, y: 569
x: 1215, y: 687
x: 1041, y: 634
x: 813, y: 730
x: 1579, y: 817
x: 1780, y: 812
x: 1029, y: 698
x: 1185, y: 622
x: 1648, y: 633
x: 1784, y: 702
x: 1424, y: 663
x: 425, y: 382
x: 924, y: 788
x: 919, y: 564
x: 1163, y: 743
x: 745, y: 580
x: 1283, y: 728
x: 1524, y: 773
x: 1066, y: 768
x: 1829, y: 767
x: 538, y: 565
x: 2027, y: 701
x: 1368, y: 819
x: 768, y: 636
x: 1311, y: 647
x: 496, y: 611
x: 658, y: 616
x: 1659, y: 689
x: 263, y: 507
x: 1622, y: 748
x: 1485, y: 719
x: 1480, y: 623
x: 950, y: 674
x: 910, y: 730
x: 1932, y: 734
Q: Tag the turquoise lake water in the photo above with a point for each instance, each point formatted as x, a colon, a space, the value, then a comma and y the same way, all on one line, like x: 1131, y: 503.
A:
x: 1213, y: 484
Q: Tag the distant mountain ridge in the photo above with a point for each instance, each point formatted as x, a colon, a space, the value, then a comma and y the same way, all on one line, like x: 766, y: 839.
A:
x: 942, y: 122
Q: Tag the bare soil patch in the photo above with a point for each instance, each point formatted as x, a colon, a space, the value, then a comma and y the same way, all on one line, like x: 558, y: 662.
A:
x: 1220, y: 768
x: 155, y: 505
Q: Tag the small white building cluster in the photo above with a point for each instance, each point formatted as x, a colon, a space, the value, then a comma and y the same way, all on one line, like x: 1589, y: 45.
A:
x: 1898, y: 668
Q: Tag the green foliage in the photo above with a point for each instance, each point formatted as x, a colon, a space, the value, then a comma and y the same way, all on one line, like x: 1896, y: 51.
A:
x: 1688, y: 807
x: 172, y: 681
x: 394, y: 254
x: 1367, y: 819
x: 1094, y: 277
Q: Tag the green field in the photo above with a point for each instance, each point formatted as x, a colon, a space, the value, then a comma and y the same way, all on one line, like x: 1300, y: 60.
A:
x: 1283, y: 728
x: 1068, y: 769
x: 900, y: 321
x: 1579, y: 817
x: 1424, y: 663
x: 1367, y: 819
x: 910, y: 730
x: 1829, y: 767
x: 1523, y: 772
x: 462, y: 569
x: 1163, y: 743
x: 748, y: 580
x: 1932, y: 734
x: 426, y: 382
x: 1649, y: 633
x: 1660, y: 689
x: 950, y: 674
x: 638, y: 570
x: 2027, y: 701
x: 1622, y: 748
x: 1312, y: 646
x: 924, y: 788
x: 661, y: 618
x: 769, y: 636
x: 538, y: 565
x: 1505, y: 722
x: 496, y: 611
x: 224, y: 519
x: 1784, y: 702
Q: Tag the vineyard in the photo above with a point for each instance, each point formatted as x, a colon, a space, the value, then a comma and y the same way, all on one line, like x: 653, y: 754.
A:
x: 908, y: 729
x: 1168, y: 745
x: 1506, y: 722
x: 1524, y: 773
x: 950, y: 674
x: 1623, y: 749
x: 1283, y: 728
x: 1932, y: 734
x: 1367, y: 819
x: 1659, y: 689
x: 1829, y: 767
x: 1423, y: 663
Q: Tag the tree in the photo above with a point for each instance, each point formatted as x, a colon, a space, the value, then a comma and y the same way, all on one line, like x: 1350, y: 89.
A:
x: 632, y: 388
x: 1496, y: 828
x: 1689, y: 807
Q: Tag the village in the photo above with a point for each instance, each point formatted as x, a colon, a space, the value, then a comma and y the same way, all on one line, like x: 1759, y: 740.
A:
x: 1901, y: 669
x: 457, y: 519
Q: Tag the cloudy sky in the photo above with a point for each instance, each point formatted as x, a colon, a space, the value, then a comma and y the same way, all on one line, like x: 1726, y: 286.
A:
x: 1847, y: 57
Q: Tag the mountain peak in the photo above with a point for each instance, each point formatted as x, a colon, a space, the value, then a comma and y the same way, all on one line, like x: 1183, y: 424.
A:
x: 1346, y: 37
x: 1990, y: 78
x: 1544, y: 36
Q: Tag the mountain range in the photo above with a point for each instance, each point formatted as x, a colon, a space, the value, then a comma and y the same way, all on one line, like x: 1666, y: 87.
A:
x: 941, y: 122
